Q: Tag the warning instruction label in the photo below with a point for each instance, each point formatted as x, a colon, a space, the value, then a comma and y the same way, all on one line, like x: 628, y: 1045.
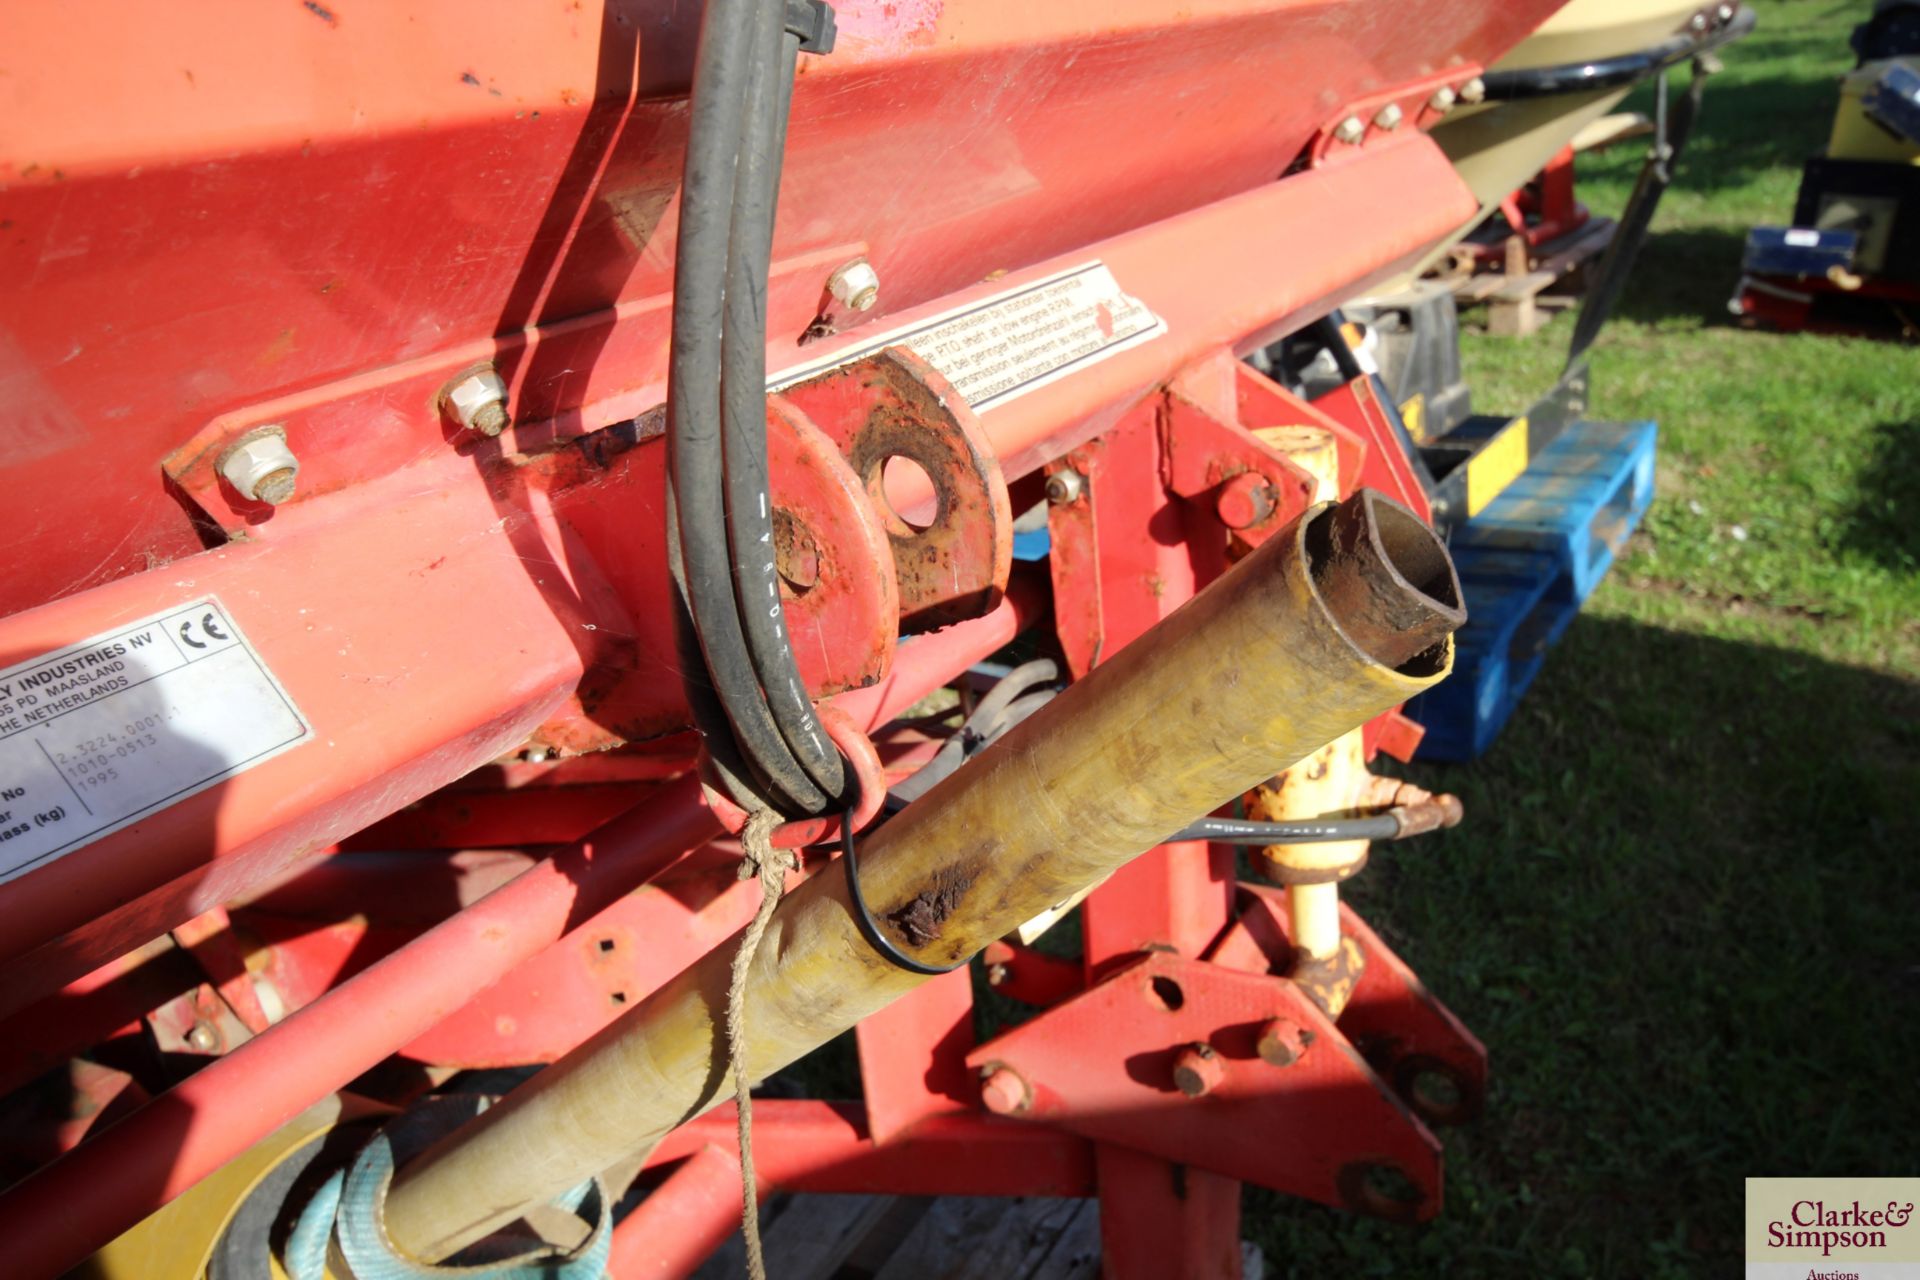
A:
x: 103, y: 732
x: 1007, y: 345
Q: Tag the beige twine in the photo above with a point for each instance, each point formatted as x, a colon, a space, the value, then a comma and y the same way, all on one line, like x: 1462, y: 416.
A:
x: 761, y: 859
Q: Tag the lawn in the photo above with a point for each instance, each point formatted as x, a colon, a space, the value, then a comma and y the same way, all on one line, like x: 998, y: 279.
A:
x: 1684, y: 911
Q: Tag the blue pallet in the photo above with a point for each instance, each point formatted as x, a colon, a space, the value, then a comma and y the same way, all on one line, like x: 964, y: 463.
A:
x: 1578, y: 500
x: 1527, y: 563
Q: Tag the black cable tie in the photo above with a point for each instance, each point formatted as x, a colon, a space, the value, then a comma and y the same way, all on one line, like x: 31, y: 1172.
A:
x: 812, y: 21
x: 869, y: 927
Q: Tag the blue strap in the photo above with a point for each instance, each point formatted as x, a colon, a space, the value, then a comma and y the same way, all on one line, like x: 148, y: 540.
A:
x: 348, y: 1209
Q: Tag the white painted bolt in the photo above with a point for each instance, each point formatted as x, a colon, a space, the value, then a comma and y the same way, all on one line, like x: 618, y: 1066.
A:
x: 1350, y: 130
x: 477, y: 400
x: 260, y: 466
x: 1474, y: 90
x: 1443, y: 99
x: 855, y: 286
x: 1388, y: 117
x: 1724, y: 13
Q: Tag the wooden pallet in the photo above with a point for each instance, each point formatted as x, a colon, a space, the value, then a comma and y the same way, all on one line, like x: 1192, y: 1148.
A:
x: 1517, y: 297
x: 811, y: 1237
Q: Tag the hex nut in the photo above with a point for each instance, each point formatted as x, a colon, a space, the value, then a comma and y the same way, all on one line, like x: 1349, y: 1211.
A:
x: 855, y: 286
x: 1443, y: 99
x: 1388, y: 117
x: 1351, y: 130
x: 1064, y: 487
x: 477, y: 400
x: 260, y: 466
x: 1474, y: 90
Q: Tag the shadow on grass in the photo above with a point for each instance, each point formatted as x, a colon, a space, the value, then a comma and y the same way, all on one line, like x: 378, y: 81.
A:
x: 1680, y: 915
x: 1684, y: 275
x: 1755, y: 125
x: 1884, y: 524
x: 1748, y: 126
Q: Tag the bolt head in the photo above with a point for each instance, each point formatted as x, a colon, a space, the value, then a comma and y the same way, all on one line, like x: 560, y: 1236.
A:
x: 1351, y: 130
x: 1282, y: 1042
x: 1065, y: 486
x: 1388, y: 117
x: 260, y: 466
x: 1245, y: 500
x: 1443, y: 99
x: 477, y: 400
x: 855, y: 286
x: 1004, y: 1092
x: 1698, y: 22
x: 1474, y: 90
x: 1724, y: 13
x: 1198, y: 1070
x: 203, y: 1038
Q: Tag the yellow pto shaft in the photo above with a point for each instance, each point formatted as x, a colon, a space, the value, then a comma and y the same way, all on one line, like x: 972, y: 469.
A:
x: 1324, y: 626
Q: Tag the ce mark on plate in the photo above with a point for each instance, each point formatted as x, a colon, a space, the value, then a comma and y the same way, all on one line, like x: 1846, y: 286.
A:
x: 208, y: 626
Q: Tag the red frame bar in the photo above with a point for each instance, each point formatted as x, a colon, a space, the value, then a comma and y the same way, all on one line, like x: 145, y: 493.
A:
x: 671, y: 1232
x: 87, y: 1198
x: 80, y: 1202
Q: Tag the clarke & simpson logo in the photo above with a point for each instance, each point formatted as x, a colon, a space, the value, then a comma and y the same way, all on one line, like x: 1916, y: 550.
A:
x: 1833, y: 1229
x: 1813, y: 1225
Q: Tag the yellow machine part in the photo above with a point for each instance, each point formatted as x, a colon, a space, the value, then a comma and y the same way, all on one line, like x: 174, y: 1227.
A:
x: 176, y: 1241
x: 1252, y: 672
x: 1854, y: 136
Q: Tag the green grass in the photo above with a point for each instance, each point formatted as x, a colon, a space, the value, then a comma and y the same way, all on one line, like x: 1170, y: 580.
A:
x: 1682, y: 911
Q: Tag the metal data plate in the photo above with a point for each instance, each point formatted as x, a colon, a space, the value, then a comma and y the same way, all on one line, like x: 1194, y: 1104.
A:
x: 97, y: 734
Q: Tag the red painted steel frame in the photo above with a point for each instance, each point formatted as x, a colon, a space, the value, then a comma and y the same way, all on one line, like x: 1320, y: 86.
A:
x: 80, y: 1202
x: 685, y: 1218
x: 396, y: 186
x: 396, y: 196
x: 434, y: 537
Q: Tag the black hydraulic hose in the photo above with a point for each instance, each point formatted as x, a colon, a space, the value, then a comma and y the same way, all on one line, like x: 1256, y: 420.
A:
x: 1312, y: 831
x: 695, y: 495
x: 1015, y: 697
x: 1611, y: 73
x: 743, y: 401
x: 709, y: 717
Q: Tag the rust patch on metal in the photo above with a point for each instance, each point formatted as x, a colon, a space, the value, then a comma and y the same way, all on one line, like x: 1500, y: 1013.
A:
x: 923, y: 916
x: 894, y: 405
x: 1386, y: 578
x: 1329, y: 981
x: 1469, y: 1093
x: 1365, y: 1187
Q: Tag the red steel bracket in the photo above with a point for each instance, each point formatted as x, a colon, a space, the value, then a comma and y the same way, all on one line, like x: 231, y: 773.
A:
x: 1434, y: 1063
x: 1236, y: 1073
x: 1250, y: 487
x: 952, y: 546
